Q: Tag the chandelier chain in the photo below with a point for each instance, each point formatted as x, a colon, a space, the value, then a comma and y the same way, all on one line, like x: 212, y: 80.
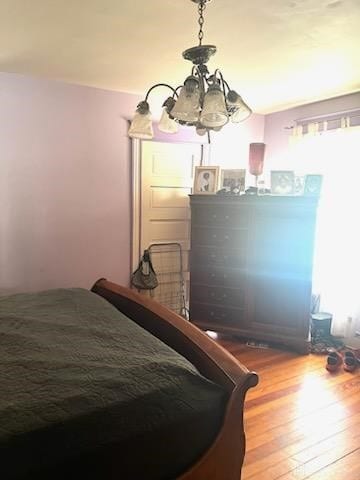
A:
x: 201, y: 8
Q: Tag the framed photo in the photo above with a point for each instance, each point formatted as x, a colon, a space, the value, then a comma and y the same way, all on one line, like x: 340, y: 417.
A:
x: 282, y: 182
x: 206, y: 180
x: 233, y: 180
x: 313, y: 185
x: 299, y: 184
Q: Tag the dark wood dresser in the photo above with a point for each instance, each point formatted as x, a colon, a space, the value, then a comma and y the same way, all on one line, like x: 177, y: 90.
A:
x: 251, y: 266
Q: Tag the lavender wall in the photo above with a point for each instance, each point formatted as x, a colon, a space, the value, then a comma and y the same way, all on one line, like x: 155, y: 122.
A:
x: 276, y: 136
x: 64, y: 184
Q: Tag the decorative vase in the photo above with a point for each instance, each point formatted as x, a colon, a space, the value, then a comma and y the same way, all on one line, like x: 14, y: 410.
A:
x: 256, y: 160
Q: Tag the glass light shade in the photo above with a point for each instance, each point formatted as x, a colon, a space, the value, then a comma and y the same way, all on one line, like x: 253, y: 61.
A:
x: 256, y: 158
x: 241, y: 114
x: 214, y: 113
x: 236, y: 105
x: 187, y: 106
x: 141, y: 126
x: 167, y: 124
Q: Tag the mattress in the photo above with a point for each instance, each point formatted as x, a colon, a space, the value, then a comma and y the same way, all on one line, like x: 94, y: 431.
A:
x: 87, y: 393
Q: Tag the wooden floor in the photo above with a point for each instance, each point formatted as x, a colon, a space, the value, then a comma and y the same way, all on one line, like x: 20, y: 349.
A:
x: 301, y: 421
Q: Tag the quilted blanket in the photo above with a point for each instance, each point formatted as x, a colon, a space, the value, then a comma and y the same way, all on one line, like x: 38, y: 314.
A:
x: 78, y: 380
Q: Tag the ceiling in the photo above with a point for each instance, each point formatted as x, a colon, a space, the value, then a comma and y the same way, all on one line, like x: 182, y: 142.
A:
x: 276, y: 54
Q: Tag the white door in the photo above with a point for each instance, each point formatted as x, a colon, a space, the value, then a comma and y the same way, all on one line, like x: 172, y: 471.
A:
x: 166, y: 179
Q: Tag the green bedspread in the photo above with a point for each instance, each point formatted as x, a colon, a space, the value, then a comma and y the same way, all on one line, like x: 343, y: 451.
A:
x: 85, y: 389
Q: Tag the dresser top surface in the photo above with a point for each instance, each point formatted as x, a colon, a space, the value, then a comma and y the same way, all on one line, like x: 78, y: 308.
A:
x: 256, y: 200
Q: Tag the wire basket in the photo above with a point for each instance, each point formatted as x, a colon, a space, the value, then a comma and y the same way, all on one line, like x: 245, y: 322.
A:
x: 167, y: 261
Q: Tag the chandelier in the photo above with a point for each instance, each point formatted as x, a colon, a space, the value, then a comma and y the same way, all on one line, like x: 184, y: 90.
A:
x: 204, y: 101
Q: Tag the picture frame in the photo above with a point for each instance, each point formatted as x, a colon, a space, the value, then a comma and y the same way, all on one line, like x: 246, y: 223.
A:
x: 233, y: 181
x: 299, y: 185
x: 313, y: 184
x: 282, y: 182
x: 206, y: 180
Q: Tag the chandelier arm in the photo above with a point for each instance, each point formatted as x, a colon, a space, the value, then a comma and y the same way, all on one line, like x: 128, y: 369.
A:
x: 208, y: 80
x: 202, y: 80
x: 222, y: 80
x: 220, y: 75
x: 226, y: 84
x: 202, y: 91
x: 160, y: 85
x: 176, y: 90
x: 196, y: 72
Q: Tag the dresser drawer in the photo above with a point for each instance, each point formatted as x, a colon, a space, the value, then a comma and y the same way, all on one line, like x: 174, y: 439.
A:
x: 218, y: 316
x: 218, y: 295
x: 215, y: 256
x: 219, y: 237
x: 218, y: 276
x: 215, y: 215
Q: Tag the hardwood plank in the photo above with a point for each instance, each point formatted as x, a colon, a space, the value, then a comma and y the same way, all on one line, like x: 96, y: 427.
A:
x: 304, y: 399
x: 303, y: 417
x: 305, y: 452
x: 346, y: 468
x: 310, y: 426
x: 292, y: 443
x: 301, y: 421
x: 276, y: 383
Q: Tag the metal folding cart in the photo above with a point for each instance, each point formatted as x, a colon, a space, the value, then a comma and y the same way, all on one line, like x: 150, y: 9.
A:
x: 167, y: 260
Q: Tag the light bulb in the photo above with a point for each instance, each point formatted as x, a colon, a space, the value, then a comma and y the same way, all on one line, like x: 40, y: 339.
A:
x: 200, y: 129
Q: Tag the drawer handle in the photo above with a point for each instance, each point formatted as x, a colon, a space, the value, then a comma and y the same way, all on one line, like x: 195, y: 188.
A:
x: 227, y: 217
x: 214, y: 215
x: 213, y: 275
x: 219, y: 316
x: 213, y: 295
x: 226, y: 237
x: 214, y: 235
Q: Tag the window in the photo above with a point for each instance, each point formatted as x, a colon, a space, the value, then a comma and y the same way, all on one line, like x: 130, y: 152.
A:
x: 335, y: 154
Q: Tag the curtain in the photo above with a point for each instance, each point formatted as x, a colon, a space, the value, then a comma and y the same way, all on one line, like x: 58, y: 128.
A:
x: 335, y: 154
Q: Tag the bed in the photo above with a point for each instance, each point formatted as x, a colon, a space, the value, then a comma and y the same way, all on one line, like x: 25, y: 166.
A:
x: 108, y: 384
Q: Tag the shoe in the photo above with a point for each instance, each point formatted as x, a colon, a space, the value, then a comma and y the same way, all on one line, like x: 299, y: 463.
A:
x: 334, y: 361
x: 350, y: 361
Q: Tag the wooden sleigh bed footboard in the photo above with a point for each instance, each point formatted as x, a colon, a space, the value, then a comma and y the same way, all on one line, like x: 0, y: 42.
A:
x: 224, y: 459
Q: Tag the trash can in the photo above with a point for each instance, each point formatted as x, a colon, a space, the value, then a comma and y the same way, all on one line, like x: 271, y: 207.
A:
x: 320, y: 326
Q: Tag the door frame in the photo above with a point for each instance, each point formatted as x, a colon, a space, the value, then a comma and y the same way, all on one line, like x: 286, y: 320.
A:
x: 136, y: 150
